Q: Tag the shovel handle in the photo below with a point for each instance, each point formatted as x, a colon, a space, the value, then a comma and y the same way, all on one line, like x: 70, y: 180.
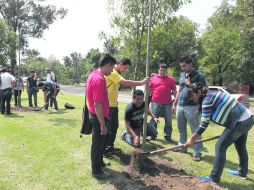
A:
x: 182, y: 145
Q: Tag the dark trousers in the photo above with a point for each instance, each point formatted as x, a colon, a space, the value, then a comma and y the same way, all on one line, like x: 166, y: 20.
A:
x: 17, y: 97
x: 238, y: 135
x: 114, y: 124
x: 6, y: 99
x: 98, y: 143
x: 32, y: 92
x: 52, y: 101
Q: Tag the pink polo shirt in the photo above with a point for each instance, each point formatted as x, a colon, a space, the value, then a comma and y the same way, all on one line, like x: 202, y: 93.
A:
x: 161, y: 87
x: 97, y: 92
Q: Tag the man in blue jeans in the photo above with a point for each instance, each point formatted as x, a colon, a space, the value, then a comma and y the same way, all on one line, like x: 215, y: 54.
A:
x: 224, y: 110
x: 162, y: 87
x: 187, y: 110
x: 133, y: 119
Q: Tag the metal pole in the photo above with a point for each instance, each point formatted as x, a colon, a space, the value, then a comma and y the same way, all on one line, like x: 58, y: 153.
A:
x: 18, y: 54
x: 147, y: 73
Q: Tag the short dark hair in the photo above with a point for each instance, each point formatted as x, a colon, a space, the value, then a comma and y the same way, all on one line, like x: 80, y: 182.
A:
x: 195, y: 87
x: 185, y: 59
x: 137, y: 93
x: 124, y: 61
x: 163, y: 65
x: 107, y: 59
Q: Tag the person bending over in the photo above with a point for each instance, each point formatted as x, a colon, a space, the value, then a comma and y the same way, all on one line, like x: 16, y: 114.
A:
x: 223, y: 109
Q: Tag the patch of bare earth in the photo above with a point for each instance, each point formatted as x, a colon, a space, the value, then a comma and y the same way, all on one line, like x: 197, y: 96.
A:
x: 22, y: 109
x: 155, y: 173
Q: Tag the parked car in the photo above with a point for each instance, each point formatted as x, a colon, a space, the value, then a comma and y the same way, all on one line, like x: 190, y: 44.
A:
x: 243, y: 98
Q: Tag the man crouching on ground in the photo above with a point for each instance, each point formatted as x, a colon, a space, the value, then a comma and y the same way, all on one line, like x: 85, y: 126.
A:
x: 98, y: 106
x: 133, y: 119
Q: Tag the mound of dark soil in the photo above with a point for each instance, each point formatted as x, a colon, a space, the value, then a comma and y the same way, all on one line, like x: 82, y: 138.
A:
x: 155, y: 173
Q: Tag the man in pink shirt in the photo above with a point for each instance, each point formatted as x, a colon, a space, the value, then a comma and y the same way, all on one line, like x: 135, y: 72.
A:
x: 162, y: 87
x: 98, y: 106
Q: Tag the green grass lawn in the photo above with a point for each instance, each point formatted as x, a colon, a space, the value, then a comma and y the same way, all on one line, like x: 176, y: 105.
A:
x: 43, y: 151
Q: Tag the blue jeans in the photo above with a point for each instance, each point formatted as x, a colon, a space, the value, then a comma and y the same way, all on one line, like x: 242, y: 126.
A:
x: 188, y: 114
x: 164, y: 110
x: 238, y: 135
x: 151, y: 131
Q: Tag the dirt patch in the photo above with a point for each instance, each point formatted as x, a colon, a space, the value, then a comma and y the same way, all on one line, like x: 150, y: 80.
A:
x: 22, y: 109
x: 156, y: 173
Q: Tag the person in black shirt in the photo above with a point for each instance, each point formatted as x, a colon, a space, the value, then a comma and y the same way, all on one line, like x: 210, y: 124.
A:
x: 133, y: 119
x: 32, y: 88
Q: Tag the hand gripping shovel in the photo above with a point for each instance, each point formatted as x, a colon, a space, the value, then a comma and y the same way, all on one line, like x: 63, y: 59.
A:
x: 136, y: 157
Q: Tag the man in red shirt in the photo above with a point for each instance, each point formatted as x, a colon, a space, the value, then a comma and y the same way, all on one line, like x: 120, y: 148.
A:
x: 98, y: 106
x: 162, y: 87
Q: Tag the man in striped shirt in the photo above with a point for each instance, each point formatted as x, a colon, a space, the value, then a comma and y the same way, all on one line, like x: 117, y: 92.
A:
x: 224, y: 110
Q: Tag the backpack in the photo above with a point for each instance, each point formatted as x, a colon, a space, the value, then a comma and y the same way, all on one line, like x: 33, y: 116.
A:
x: 68, y: 106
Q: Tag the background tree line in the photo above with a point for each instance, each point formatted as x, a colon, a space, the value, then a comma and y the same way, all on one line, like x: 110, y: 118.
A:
x: 223, y: 51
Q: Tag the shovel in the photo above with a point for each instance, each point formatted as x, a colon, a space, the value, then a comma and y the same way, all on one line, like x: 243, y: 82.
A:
x: 179, y: 146
x: 136, y: 157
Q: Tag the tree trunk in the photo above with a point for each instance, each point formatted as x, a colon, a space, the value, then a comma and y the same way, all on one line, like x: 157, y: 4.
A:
x: 220, y: 75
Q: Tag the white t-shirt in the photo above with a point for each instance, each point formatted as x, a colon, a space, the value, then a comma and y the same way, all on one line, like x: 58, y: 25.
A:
x: 51, y: 77
x: 6, y: 79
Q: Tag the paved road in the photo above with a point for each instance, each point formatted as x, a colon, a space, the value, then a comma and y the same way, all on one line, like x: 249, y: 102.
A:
x: 123, y: 96
x: 80, y: 91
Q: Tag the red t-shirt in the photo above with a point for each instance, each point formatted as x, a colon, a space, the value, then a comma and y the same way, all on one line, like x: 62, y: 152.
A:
x: 161, y: 87
x: 96, y: 91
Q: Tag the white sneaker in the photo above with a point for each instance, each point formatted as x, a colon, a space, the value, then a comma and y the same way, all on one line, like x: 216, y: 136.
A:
x: 55, y: 110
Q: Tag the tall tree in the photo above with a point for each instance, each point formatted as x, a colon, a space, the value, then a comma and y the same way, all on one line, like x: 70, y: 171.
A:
x: 29, y: 18
x: 7, y: 43
x: 223, y: 46
x: 245, y: 19
x: 130, y: 17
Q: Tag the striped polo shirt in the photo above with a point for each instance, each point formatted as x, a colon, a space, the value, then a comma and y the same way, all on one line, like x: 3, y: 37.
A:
x: 216, y: 107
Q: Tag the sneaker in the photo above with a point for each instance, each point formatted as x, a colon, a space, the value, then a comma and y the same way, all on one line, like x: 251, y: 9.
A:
x: 55, y: 110
x: 196, y: 157
x: 110, y: 150
x: 101, y: 175
x: 204, y: 178
x: 236, y: 173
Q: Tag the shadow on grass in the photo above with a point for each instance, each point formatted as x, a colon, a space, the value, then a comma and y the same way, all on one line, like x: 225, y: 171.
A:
x: 62, y: 121
x: 13, y: 115
x: 228, y: 164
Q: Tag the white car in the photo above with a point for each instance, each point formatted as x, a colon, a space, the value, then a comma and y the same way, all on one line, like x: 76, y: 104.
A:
x: 242, y: 98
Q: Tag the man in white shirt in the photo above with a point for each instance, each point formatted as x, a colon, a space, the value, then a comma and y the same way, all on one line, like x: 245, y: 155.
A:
x: 50, y: 75
x: 7, y: 83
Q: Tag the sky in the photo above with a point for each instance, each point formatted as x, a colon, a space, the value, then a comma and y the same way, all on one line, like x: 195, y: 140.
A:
x: 78, y: 31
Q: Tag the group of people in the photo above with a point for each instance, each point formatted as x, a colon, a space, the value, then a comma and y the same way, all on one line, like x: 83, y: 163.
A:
x: 102, y: 93
x: 14, y: 85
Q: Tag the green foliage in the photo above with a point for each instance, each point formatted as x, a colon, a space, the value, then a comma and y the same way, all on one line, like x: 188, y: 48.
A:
x: 130, y: 18
x: 172, y: 40
x: 222, y: 44
x: 90, y: 61
x: 7, y: 43
x: 28, y: 17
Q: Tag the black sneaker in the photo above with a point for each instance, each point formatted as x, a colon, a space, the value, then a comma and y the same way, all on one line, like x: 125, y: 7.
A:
x: 110, y: 150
